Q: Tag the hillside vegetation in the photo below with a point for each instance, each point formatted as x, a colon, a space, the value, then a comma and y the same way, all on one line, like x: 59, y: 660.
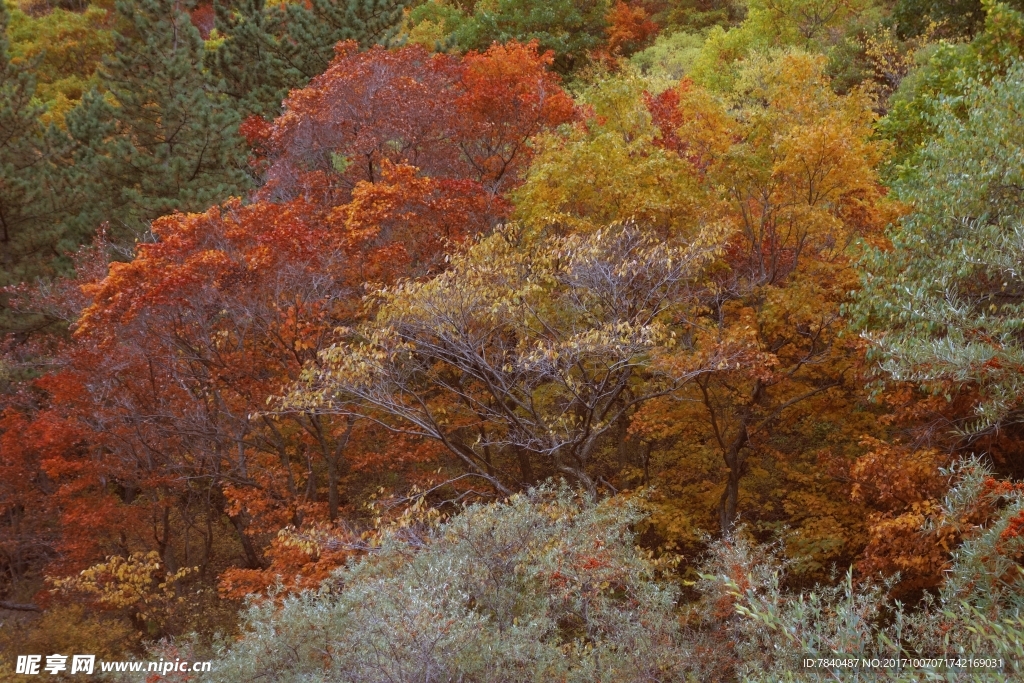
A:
x: 513, y: 340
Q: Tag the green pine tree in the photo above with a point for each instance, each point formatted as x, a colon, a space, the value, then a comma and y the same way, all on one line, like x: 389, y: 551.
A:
x: 312, y: 31
x: 21, y: 153
x: 161, y: 136
x: 267, y: 51
x: 34, y: 192
x: 249, y: 61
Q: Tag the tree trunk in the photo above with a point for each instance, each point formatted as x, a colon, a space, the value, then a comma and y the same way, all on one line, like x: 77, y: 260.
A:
x: 332, y: 489
x: 525, y: 467
x: 20, y: 607
x: 727, y: 503
x: 252, y: 558
x: 735, y: 459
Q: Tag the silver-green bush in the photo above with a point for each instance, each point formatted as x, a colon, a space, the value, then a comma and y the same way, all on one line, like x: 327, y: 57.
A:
x: 978, y: 612
x: 549, y: 586
x: 544, y: 587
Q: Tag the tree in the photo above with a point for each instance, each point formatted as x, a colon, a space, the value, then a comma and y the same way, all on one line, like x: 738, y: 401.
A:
x: 960, y: 18
x: 800, y: 188
x: 802, y: 23
x: 34, y: 191
x: 629, y: 28
x: 70, y: 47
x: 248, y: 59
x: 569, y: 29
x: 941, y: 305
x: 903, y: 485
x: 151, y: 425
x: 159, y: 137
x: 612, y: 167
x: 678, y: 16
x: 759, y: 621
x: 785, y: 167
x: 262, y: 53
x: 309, y: 32
x: 466, y: 118
x: 944, y: 73
x: 21, y: 157
x: 818, y: 26
x: 525, y: 354
x: 222, y: 312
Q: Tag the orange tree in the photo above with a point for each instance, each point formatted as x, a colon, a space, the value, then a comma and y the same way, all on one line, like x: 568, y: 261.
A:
x: 459, y: 118
x: 149, y: 430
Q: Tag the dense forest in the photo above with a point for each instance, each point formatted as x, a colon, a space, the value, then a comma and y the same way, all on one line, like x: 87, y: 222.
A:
x: 513, y: 340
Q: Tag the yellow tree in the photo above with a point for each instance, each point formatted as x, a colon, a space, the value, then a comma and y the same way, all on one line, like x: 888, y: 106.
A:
x: 797, y: 186
x: 785, y: 169
x: 612, y: 168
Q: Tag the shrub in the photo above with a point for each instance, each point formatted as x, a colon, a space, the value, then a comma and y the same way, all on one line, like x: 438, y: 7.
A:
x: 766, y: 630
x: 545, y: 586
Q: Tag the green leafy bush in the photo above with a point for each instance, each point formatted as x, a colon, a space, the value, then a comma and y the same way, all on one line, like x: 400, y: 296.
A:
x: 942, y: 307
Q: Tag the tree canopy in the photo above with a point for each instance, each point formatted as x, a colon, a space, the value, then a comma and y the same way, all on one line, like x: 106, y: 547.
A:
x: 505, y: 340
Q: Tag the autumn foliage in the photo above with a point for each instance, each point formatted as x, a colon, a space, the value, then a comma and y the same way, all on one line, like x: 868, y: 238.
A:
x: 458, y: 118
x: 147, y: 433
x: 571, y: 300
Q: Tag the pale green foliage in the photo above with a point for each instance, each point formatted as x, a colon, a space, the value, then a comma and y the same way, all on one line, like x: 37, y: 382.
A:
x: 771, y: 628
x: 550, y: 586
x: 815, y: 26
x: 545, y: 587
x: 943, y: 306
x: 672, y: 55
x: 985, y: 577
